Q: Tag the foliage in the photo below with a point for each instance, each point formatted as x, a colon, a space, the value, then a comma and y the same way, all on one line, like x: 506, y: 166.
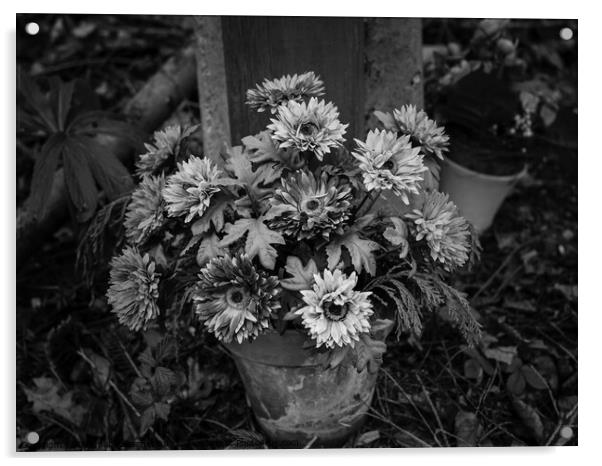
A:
x: 77, y: 136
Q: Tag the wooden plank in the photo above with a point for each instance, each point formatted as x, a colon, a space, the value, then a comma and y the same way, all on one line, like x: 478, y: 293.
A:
x: 211, y: 80
x: 268, y: 47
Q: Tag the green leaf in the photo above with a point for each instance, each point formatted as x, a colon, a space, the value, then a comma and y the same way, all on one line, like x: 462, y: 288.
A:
x: 163, y: 380
x: 213, y: 215
x: 368, y: 353
x: 359, y: 249
x: 147, y: 420
x: 398, y: 234
x: 239, y: 165
x: 259, y: 239
x: 386, y: 119
x: 162, y: 410
x: 81, y: 187
x: 45, y: 397
x: 110, y: 174
x: 302, y: 276
x: 208, y: 249
x: 261, y: 148
x: 43, y: 174
x: 534, y: 378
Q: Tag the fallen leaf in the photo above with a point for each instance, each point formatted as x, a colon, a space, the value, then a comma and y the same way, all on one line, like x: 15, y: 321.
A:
x: 467, y: 429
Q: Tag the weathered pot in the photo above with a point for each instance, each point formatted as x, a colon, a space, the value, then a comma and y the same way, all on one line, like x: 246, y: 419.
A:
x: 295, y: 399
x: 478, y: 196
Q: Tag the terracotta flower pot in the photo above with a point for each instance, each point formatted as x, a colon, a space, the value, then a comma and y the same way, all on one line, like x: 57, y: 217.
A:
x: 295, y: 399
x: 478, y: 196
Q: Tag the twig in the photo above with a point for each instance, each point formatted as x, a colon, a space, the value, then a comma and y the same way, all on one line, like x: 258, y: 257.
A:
x: 407, y: 397
x: 418, y: 440
x: 428, y: 398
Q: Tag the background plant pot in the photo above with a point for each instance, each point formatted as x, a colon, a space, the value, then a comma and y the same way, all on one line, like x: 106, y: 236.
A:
x: 478, y: 196
x: 294, y: 398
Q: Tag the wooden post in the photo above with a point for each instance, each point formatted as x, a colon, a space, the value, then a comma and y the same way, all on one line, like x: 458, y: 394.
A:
x: 257, y: 47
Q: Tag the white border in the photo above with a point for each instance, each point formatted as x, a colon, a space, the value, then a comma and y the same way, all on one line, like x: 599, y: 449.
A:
x: 589, y: 176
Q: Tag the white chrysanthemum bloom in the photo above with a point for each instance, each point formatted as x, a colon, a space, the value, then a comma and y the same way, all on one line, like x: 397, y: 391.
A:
x: 188, y: 191
x: 145, y: 212
x: 272, y: 93
x: 312, y: 126
x: 390, y: 163
x: 134, y: 289
x: 443, y: 228
x: 422, y: 130
x: 166, y: 144
x: 335, y: 313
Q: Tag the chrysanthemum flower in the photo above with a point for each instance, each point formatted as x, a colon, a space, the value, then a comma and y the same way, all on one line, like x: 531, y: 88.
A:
x: 388, y: 162
x: 166, y: 145
x: 443, y: 228
x: 273, y: 93
x: 312, y: 126
x: 188, y: 191
x: 134, y: 289
x: 335, y: 313
x: 306, y: 207
x: 234, y: 300
x: 145, y: 212
x: 422, y: 130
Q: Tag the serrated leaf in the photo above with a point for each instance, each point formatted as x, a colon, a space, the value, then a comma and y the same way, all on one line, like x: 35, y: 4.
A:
x: 208, y: 249
x: 255, y: 182
x: 213, y: 215
x: 359, y: 249
x: 163, y: 380
x: 259, y: 239
x: 368, y: 353
x: 261, y: 149
x: 302, y: 276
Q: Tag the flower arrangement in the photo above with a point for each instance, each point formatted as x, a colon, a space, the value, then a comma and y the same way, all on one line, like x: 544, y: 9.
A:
x: 281, y: 233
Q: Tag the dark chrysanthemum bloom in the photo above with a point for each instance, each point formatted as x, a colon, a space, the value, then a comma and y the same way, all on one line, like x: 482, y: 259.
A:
x: 443, y: 228
x: 235, y: 300
x: 272, y: 93
x: 145, y: 212
x: 134, y: 289
x: 306, y: 207
x: 313, y: 126
x: 165, y: 146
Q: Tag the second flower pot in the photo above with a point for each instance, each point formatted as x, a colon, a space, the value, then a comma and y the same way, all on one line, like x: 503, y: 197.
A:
x: 295, y: 399
x: 477, y: 195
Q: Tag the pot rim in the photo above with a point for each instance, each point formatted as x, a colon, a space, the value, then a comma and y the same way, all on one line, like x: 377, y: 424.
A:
x: 485, y: 176
x: 292, y: 355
